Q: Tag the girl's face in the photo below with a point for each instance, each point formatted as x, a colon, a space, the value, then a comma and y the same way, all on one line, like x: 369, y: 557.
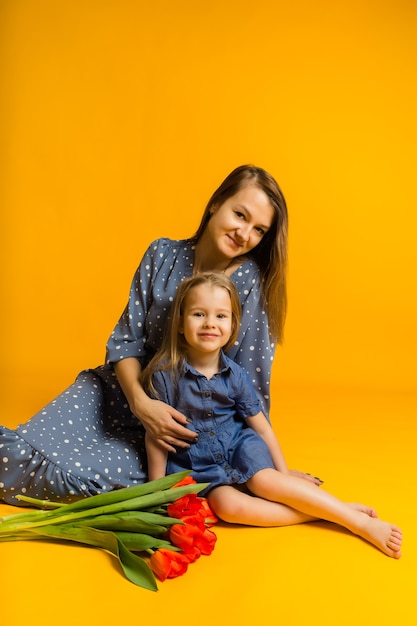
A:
x: 240, y: 223
x: 206, y: 321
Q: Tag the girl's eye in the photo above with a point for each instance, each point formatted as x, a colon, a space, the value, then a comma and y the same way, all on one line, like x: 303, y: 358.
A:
x: 260, y: 231
x: 239, y: 214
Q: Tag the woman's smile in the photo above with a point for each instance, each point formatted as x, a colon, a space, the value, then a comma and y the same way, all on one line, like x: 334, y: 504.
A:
x: 240, y: 223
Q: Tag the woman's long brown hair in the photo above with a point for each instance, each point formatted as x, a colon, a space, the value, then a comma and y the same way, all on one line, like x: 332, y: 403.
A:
x: 271, y: 254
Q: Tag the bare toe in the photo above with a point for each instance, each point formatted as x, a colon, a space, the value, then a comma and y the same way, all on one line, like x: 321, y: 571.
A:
x: 383, y: 535
x: 368, y: 510
x: 395, y: 553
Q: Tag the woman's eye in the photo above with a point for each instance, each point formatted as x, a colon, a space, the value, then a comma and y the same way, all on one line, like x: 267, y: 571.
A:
x: 260, y: 231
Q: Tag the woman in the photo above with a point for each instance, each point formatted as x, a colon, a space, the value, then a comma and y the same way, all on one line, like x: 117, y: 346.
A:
x: 89, y: 439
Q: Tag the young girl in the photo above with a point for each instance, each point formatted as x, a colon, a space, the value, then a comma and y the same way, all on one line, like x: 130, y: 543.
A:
x: 235, y: 443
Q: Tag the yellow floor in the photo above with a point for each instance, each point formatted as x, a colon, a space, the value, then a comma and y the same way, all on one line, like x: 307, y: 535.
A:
x: 364, y: 447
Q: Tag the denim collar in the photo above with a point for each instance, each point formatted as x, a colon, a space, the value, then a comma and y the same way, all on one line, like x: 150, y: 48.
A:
x: 224, y: 367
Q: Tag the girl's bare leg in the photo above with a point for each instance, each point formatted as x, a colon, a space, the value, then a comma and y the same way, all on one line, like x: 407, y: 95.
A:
x: 238, y: 507
x: 305, y: 497
x: 297, y: 501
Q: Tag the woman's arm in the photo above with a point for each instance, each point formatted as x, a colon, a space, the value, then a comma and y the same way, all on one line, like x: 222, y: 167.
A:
x: 128, y: 343
x: 161, y: 421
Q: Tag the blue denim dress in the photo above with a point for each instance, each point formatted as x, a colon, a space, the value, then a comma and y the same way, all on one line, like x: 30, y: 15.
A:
x: 227, y: 451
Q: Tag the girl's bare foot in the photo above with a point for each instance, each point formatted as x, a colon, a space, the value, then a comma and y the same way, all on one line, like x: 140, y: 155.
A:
x: 383, y: 535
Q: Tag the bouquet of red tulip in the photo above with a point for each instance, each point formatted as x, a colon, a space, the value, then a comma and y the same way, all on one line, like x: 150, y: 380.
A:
x: 163, y: 518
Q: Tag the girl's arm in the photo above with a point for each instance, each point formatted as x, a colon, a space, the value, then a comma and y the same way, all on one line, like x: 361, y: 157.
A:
x: 260, y: 425
x: 157, y: 458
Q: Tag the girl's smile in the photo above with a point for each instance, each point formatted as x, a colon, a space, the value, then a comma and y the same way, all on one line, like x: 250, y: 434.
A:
x: 206, y: 321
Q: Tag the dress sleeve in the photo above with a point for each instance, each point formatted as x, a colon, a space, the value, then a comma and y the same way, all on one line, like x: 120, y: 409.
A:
x: 129, y: 336
x: 163, y: 387
x: 248, y: 403
x: 254, y: 349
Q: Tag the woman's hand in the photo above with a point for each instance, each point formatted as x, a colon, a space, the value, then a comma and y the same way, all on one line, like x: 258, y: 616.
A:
x: 165, y: 425
x: 312, y: 479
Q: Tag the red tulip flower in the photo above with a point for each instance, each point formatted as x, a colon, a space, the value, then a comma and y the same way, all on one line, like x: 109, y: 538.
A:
x: 192, y: 554
x: 188, y: 480
x: 209, y: 517
x: 206, y: 542
x: 168, y: 564
x: 185, y: 536
x: 192, y: 535
x: 191, y: 508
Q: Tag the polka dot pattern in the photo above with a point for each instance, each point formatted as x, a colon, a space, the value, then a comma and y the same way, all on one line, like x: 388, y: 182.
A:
x: 86, y: 441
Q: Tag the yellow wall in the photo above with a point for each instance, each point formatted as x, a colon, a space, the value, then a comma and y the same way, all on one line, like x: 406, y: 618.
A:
x: 120, y: 118
x: 117, y: 120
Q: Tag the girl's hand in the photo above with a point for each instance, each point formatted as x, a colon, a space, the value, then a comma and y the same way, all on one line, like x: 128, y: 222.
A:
x: 165, y: 425
x: 312, y: 479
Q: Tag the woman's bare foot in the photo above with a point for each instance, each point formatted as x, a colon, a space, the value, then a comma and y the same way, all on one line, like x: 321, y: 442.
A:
x: 383, y: 535
x: 363, y: 509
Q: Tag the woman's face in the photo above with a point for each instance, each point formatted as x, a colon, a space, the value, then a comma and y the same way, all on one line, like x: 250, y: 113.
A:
x: 240, y: 223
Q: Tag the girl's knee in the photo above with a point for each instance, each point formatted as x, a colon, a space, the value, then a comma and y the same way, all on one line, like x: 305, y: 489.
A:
x: 226, y: 503
x: 258, y: 480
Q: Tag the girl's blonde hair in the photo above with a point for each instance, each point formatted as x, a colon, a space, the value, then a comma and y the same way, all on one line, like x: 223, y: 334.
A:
x: 170, y: 357
x: 271, y: 252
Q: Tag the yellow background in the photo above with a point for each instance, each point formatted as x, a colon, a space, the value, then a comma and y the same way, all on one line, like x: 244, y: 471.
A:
x: 118, y: 120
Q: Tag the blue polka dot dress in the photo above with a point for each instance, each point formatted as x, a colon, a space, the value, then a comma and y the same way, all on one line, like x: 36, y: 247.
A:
x: 86, y: 441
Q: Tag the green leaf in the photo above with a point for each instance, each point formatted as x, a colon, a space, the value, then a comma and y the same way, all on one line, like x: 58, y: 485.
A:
x: 130, y: 521
x: 156, y: 518
x: 68, y: 514
x: 40, y: 504
x: 134, y: 567
x: 139, y: 542
x: 115, y: 496
x: 17, y: 518
x: 121, y: 521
